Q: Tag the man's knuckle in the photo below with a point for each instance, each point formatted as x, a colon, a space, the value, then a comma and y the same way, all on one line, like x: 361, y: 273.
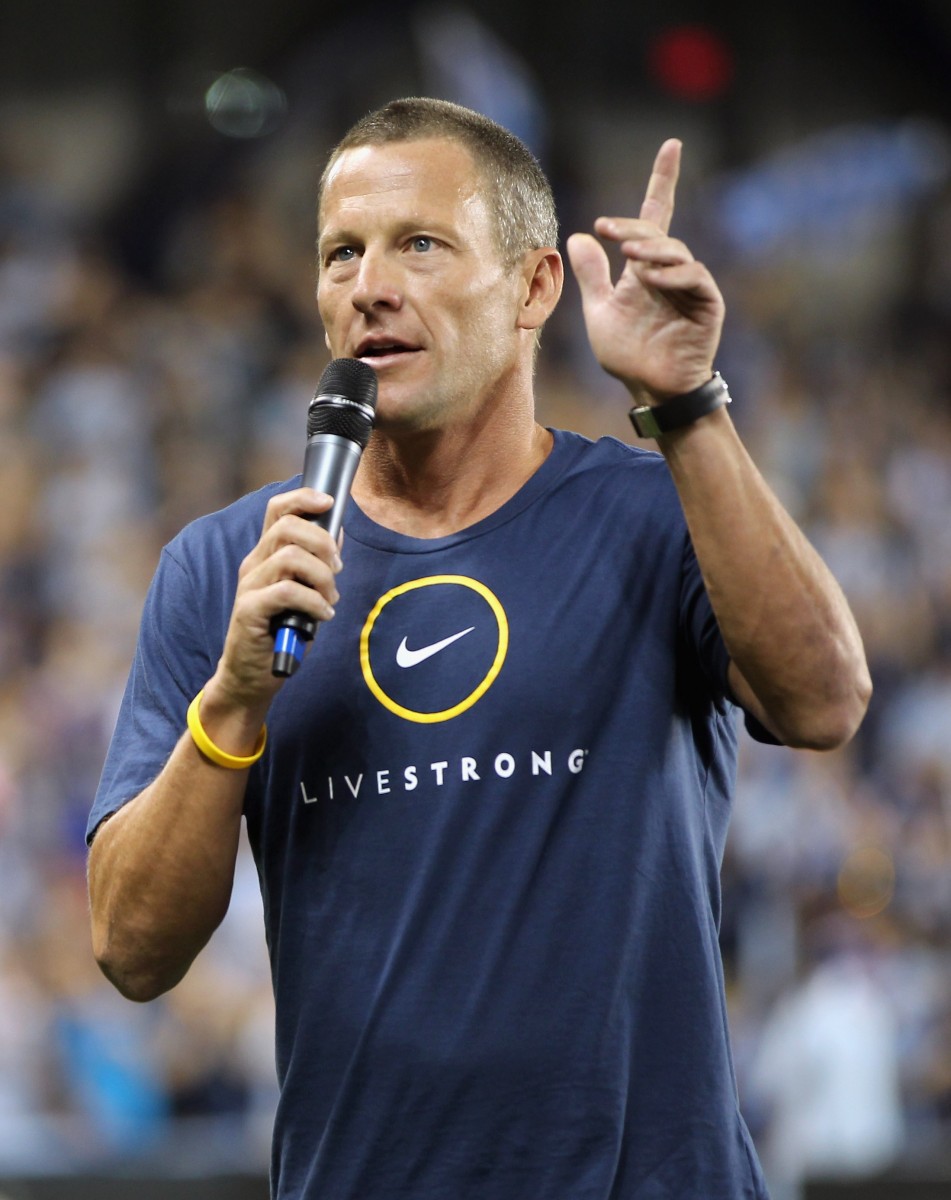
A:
x: 286, y: 592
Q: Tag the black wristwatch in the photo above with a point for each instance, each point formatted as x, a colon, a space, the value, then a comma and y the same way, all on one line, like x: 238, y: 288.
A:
x: 654, y: 420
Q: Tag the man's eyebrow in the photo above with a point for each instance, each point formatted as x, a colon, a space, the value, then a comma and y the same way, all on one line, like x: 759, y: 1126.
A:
x: 334, y: 233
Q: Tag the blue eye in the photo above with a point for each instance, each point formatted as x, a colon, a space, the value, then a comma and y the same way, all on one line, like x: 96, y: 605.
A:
x: 341, y: 254
x: 422, y: 243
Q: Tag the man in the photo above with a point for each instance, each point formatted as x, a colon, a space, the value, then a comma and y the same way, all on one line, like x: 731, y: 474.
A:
x: 490, y: 811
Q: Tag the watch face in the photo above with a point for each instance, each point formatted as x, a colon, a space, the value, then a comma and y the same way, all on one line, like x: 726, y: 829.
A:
x: 645, y: 422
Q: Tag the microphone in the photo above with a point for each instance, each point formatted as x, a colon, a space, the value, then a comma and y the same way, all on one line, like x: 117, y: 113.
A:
x: 339, y: 423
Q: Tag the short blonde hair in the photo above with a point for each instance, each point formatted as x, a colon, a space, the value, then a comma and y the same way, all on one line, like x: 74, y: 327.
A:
x: 521, y: 197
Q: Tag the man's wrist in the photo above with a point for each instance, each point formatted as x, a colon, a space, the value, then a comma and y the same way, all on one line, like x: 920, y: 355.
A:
x: 231, y: 723
x: 210, y: 748
x: 653, y: 421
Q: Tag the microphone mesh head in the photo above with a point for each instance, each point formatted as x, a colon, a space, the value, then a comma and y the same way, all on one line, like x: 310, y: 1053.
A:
x: 330, y: 414
x: 345, y: 402
x: 351, y: 378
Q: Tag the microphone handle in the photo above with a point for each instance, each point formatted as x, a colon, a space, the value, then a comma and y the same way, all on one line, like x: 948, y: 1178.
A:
x: 330, y: 463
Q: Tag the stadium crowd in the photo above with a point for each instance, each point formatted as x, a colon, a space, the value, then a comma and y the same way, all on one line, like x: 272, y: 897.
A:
x: 132, y: 401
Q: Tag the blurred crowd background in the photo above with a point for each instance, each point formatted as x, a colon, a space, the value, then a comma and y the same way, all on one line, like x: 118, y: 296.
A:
x: 159, y: 345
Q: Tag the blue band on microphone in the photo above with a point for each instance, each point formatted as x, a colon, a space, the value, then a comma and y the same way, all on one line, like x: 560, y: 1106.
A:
x: 289, y: 641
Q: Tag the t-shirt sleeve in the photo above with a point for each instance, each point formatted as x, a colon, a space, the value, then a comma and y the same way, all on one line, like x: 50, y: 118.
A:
x: 171, y: 664
x: 701, y: 631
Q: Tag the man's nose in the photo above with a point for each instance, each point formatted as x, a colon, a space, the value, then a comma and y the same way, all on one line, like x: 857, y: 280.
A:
x: 377, y: 283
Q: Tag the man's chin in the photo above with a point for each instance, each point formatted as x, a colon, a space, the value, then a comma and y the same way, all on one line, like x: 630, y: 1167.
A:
x: 407, y: 413
x: 402, y: 405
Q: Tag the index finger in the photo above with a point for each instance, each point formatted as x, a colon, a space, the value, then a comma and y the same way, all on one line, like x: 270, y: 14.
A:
x: 658, y: 203
x: 302, y: 501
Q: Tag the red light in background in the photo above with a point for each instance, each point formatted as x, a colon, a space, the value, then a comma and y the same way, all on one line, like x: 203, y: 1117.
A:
x: 691, y: 62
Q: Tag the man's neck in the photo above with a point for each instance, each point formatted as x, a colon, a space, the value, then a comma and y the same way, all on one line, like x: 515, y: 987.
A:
x: 431, y: 485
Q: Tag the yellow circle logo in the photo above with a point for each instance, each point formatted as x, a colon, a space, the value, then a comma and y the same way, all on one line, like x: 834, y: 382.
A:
x: 406, y: 659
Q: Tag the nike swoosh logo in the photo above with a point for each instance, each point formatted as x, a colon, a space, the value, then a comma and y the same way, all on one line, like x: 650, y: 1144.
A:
x: 409, y: 658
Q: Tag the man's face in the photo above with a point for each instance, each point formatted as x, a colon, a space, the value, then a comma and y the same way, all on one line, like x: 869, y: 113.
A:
x: 412, y: 283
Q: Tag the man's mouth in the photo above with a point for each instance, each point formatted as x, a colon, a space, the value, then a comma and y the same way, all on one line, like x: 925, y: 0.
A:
x: 384, y: 349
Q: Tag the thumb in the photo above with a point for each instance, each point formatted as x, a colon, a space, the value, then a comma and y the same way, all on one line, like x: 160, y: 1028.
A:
x: 590, y: 265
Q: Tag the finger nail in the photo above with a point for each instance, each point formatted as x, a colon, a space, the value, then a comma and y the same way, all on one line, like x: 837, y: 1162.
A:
x: 337, y: 562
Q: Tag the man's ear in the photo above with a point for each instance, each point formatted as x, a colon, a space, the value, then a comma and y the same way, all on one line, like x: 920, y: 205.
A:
x: 543, y: 276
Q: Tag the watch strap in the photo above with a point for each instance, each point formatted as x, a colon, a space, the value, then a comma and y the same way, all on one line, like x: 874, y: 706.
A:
x: 654, y: 420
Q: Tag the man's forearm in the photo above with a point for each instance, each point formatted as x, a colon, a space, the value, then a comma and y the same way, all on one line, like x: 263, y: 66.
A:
x: 161, y: 872
x: 787, y: 626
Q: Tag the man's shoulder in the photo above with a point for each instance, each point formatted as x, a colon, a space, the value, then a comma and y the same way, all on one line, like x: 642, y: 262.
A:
x: 231, y: 530
x: 587, y: 453
x: 631, y: 472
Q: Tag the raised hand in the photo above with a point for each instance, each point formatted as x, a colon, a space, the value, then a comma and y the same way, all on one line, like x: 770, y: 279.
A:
x: 658, y: 327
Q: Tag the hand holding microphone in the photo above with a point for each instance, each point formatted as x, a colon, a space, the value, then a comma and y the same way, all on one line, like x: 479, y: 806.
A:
x: 339, y: 424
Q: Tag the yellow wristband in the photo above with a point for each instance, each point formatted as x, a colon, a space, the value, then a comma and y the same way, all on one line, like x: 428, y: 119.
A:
x: 214, y: 753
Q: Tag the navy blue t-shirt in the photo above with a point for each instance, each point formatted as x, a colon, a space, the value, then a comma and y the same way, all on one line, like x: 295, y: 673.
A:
x: 488, y: 825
